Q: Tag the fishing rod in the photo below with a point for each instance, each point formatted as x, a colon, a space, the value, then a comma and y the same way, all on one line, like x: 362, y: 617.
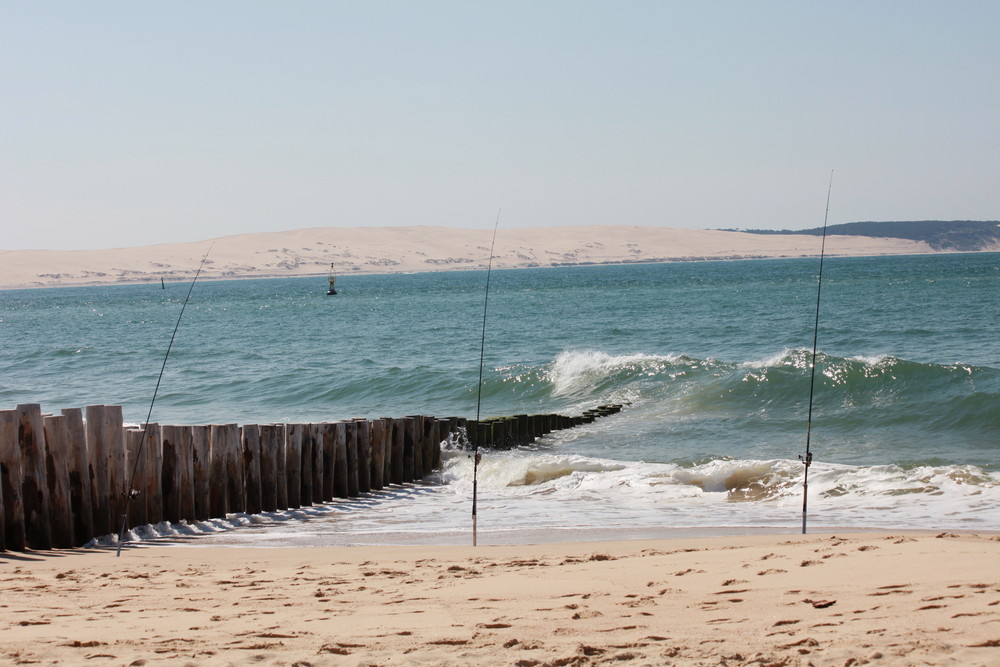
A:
x: 479, y: 395
x: 807, y: 459
x: 129, y: 493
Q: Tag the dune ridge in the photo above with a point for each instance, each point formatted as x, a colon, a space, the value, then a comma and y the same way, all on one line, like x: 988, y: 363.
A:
x: 360, y: 250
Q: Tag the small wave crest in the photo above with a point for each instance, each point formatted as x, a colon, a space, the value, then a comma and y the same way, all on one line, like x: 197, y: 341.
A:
x: 574, y: 371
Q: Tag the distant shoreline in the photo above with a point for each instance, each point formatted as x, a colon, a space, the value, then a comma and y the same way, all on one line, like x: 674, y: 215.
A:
x: 384, y: 250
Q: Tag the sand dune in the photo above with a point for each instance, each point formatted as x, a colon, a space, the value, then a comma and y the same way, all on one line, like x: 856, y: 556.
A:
x: 305, y: 252
x: 760, y: 600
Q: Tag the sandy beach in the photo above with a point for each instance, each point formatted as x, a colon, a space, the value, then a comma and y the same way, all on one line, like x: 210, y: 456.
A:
x: 305, y: 252
x: 900, y: 599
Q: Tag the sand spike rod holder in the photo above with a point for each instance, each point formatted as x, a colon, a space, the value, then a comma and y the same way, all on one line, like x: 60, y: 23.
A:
x: 476, y: 457
x: 807, y: 459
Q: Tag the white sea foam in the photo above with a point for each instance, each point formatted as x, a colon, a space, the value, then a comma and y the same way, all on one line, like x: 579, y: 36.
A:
x: 527, y: 495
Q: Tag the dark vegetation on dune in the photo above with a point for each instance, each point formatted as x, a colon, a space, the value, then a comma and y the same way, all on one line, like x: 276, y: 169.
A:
x: 946, y: 235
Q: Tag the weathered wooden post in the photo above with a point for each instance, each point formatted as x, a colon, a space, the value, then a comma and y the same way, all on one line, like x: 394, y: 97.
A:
x: 250, y: 436
x: 417, y: 431
x: 114, y: 427
x: 184, y: 449
x: 340, y: 483
x: 201, y: 467
x: 484, y: 434
x: 389, y: 428
x: 328, y: 446
x: 3, y: 521
x: 428, y: 429
x: 319, y: 470
x: 433, y: 439
x: 398, y: 445
x: 79, y: 476
x: 376, y: 440
x: 409, y: 441
x: 34, y: 491
x: 308, y: 463
x: 269, y: 439
x: 351, y: 442
x: 281, y: 469
x: 217, y: 492
x: 57, y: 480
x: 439, y: 431
x: 236, y: 491
x: 293, y: 463
x: 10, y: 482
x: 364, y: 455
x: 97, y: 444
x: 151, y: 484
x: 137, y: 508
x: 226, y: 493
x: 171, y: 484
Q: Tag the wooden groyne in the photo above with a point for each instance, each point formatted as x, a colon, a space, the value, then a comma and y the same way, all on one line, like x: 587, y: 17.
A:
x: 522, y: 430
x: 63, y: 477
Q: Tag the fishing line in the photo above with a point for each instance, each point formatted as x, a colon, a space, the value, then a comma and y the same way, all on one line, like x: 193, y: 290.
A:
x: 129, y: 493
x: 479, y: 396
x: 807, y: 459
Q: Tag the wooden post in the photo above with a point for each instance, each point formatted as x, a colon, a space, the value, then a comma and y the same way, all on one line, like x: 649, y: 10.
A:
x: 34, y: 492
x: 97, y: 444
x: 57, y: 479
x: 409, y: 438
x: 433, y: 440
x: 171, y: 473
x: 137, y: 508
x: 293, y: 463
x: 398, y: 445
x: 281, y: 467
x: 269, y: 439
x: 318, y: 467
x: 433, y: 430
x: 308, y: 463
x: 328, y: 435
x: 250, y: 436
x: 351, y: 443
x: 418, y: 447
x: 388, y: 436
x: 523, y: 431
x: 114, y: 428
x: 201, y: 467
x: 376, y: 439
x: 79, y: 477
x: 364, y: 455
x: 184, y: 450
x: 340, y: 485
x: 236, y: 493
x: 10, y: 482
x: 3, y: 519
x: 151, y: 484
x: 217, y: 493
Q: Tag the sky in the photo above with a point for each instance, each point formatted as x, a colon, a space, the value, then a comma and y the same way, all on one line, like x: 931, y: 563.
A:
x: 129, y: 123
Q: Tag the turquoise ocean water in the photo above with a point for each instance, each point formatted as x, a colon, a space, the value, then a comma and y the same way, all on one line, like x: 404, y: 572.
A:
x: 713, y: 358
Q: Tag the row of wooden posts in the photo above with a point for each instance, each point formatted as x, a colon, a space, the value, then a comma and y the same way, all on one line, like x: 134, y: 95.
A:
x: 63, y: 478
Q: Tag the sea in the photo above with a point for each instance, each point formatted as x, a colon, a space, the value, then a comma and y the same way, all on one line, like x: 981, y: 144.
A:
x: 712, y: 360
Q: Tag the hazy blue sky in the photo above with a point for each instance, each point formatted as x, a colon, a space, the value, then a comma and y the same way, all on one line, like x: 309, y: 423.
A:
x: 127, y: 123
